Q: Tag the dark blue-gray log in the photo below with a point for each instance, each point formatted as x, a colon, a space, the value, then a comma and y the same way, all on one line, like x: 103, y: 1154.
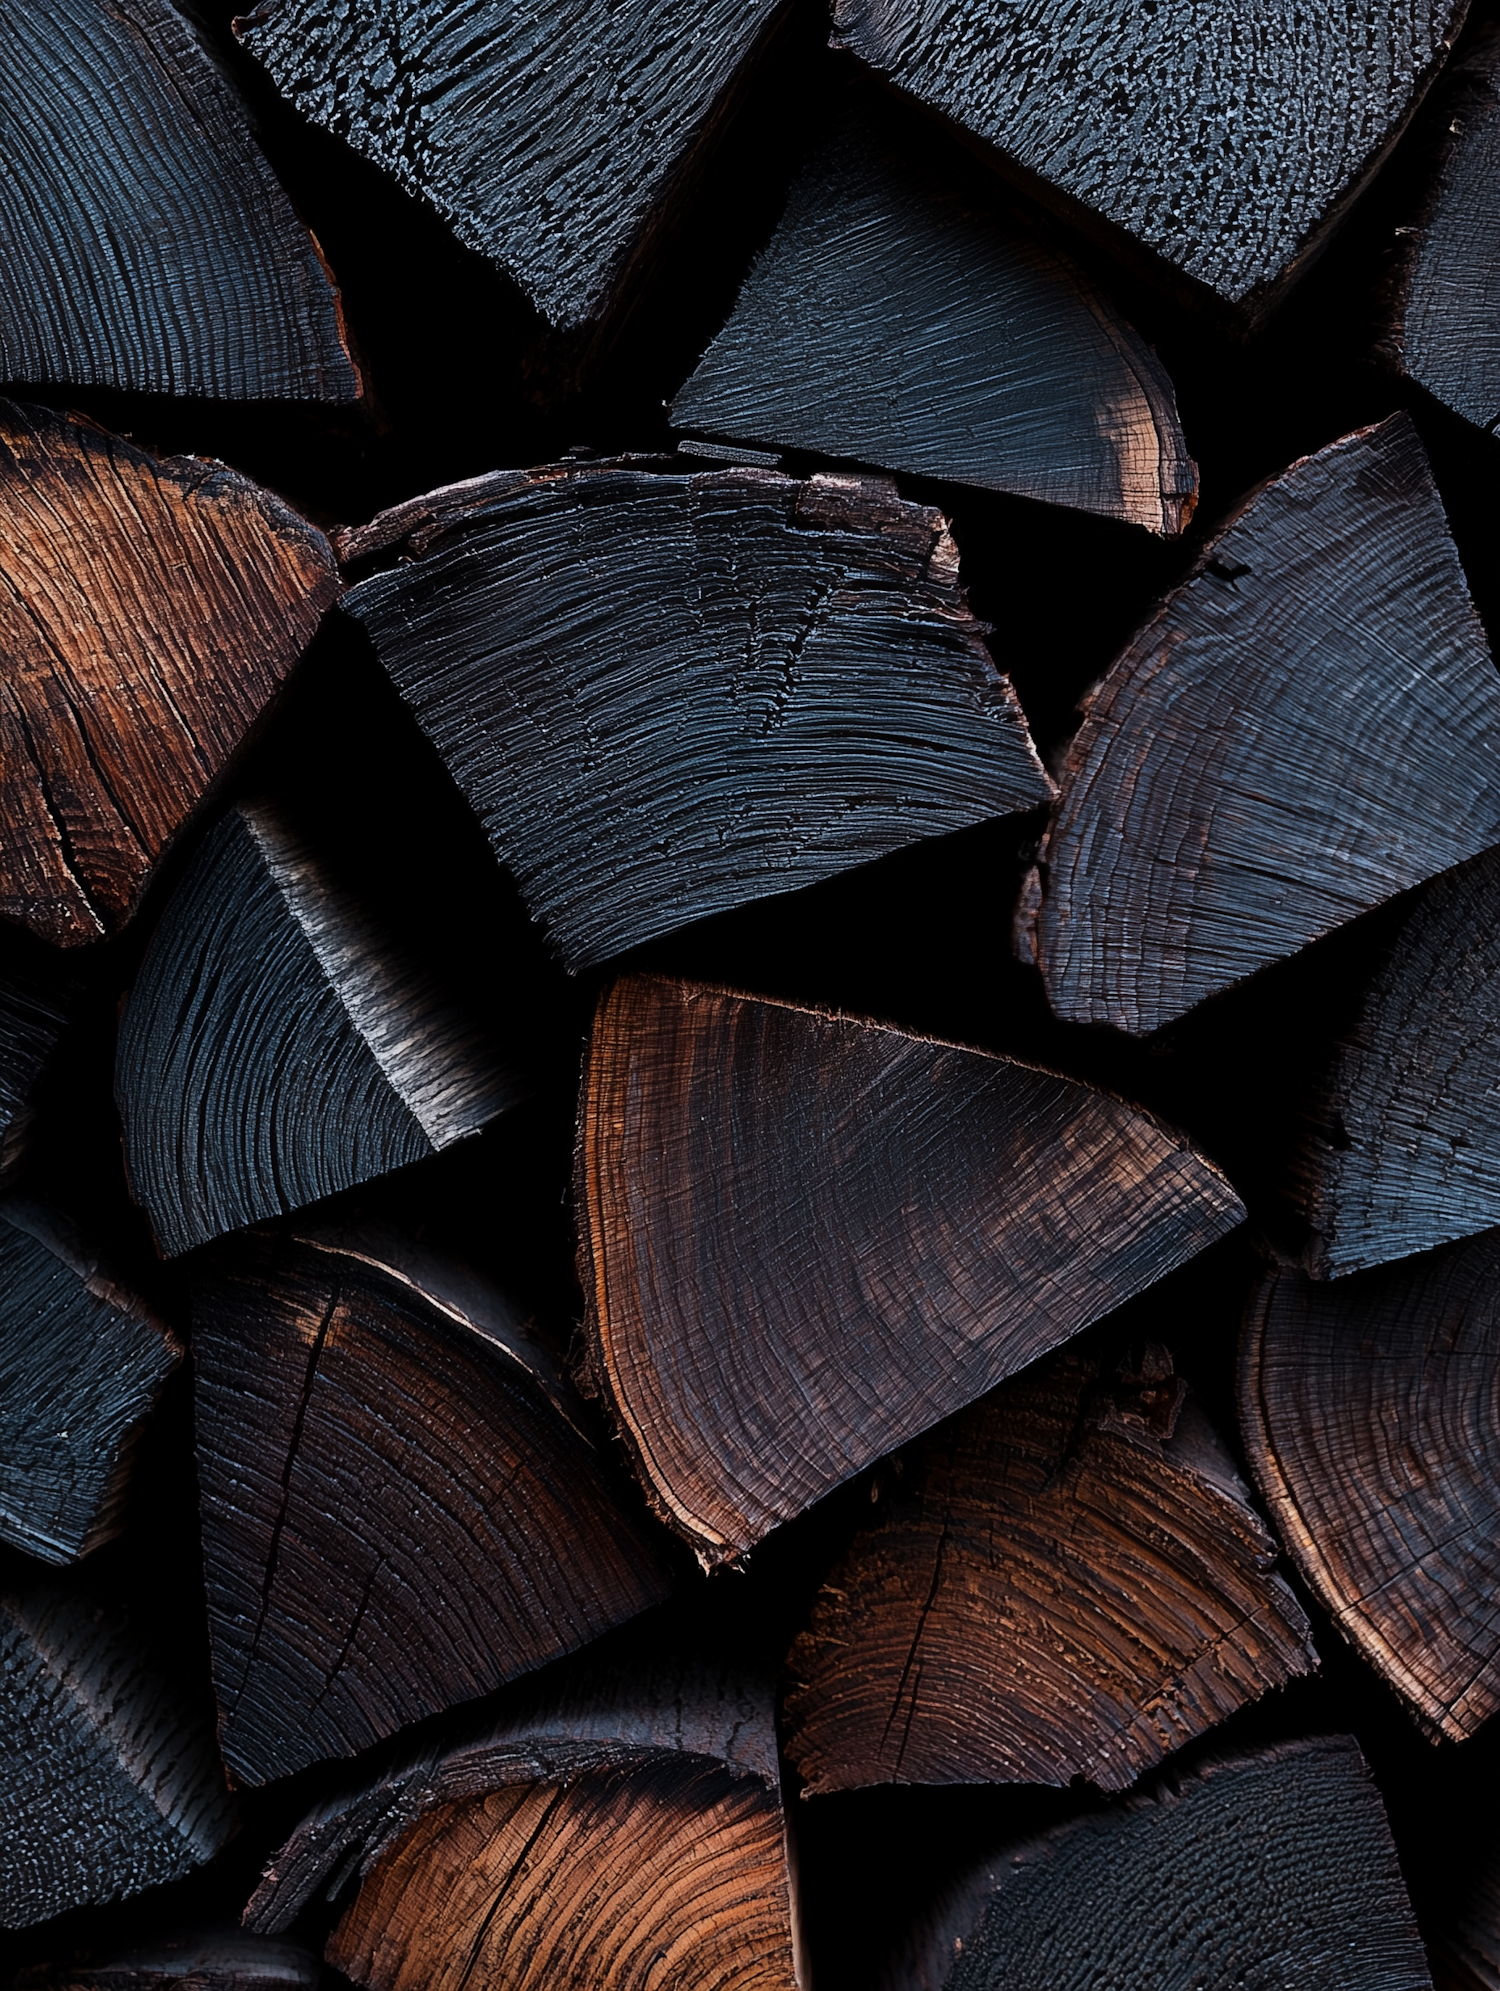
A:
x: 36, y: 1001
x: 215, y: 1957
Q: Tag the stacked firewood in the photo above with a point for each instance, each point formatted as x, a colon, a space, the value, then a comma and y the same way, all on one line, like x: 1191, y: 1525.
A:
x: 749, y: 927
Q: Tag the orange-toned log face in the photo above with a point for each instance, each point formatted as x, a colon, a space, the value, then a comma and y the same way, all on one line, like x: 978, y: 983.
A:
x: 668, y: 1877
x: 148, y: 612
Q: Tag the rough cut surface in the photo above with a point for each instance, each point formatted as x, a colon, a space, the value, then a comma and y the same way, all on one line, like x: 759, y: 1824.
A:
x: 1222, y: 141
x: 148, y: 246
x: 1070, y: 1582
x: 150, y: 610
x: 279, y: 1046
x: 105, y: 1787
x: 551, y: 141
x: 806, y: 1238
x: 1272, y: 1869
x: 893, y: 320
x: 666, y: 693
x: 81, y: 1364
x: 399, y: 1510
x: 1309, y: 726
x: 1368, y: 1409
x: 35, y: 1002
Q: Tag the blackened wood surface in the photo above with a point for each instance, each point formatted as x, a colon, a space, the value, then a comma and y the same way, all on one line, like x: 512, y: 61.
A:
x: 1222, y: 142
x: 148, y: 246
x: 400, y: 1511
x: 216, y: 1959
x: 1269, y: 1869
x: 552, y: 141
x: 666, y: 693
x: 279, y: 1045
x: 806, y: 1238
x: 106, y: 1787
x: 35, y: 1002
x: 1069, y: 1581
x: 892, y: 319
x: 150, y: 610
x: 81, y: 1364
x: 1308, y: 727
x: 1369, y: 1413
x: 1464, y: 1943
x: 1401, y: 1150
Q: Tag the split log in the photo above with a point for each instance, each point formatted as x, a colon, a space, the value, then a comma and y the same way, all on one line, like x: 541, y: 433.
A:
x: 555, y: 143
x: 400, y: 1510
x: 106, y: 1786
x: 806, y: 1238
x: 35, y: 1005
x: 1399, y: 1149
x: 1368, y: 1413
x: 667, y: 693
x: 1269, y: 1868
x: 151, y: 611
x: 148, y: 245
x: 621, y: 1827
x: 279, y: 1045
x: 217, y: 1959
x: 81, y: 1365
x: 1218, y: 150
x: 1308, y: 727
x: 896, y: 319
x: 1070, y: 1582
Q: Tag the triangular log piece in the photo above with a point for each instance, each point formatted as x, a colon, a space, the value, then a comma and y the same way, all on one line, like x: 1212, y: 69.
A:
x: 1070, y: 1581
x: 1367, y: 1410
x: 622, y: 1827
x: 806, y: 1238
x: 400, y: 1509
x: 1219, y: 149
x: 214, y: 1959
x: 554, y: 143
x: 893, y: 320
x: 151, y: 609
x: 106, y: 1786
x: 667, y: 693
x: 1271, y: 1868
x: 279, y: 1045
x: 1400, y: 1149
x: 35, y: 1005
x: 1306, y: 728
x: 81, y: 1364
x: 148, y: 245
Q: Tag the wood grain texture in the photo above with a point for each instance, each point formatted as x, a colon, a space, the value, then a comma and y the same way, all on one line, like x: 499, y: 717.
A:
x: 896, y: 318
x: 1069, y: 1581
x: 667, y: 693
x: 1224, y: 144
x: 106, y: 1786
x: 199, y: 1959
x: 1272, y: 1868
x: 150, y: 610
x: 148, y: 245
x: 553, y: 142
x: 1369, y: 1414
x: 806, y: 1238
x: 279, y: 1045
x: 400, y: 1509
x: 35, y: 1004
x: 81, y: 1365
x: 1306, y: 728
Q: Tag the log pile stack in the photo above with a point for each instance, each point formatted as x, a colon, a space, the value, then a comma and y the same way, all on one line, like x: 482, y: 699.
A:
x: 749, y: 1053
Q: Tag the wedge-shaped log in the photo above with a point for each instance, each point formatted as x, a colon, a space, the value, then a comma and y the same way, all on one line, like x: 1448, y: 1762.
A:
x: 1309, y: 726
x: 199, y: 1959
x: 1369, y: 1416
x: 620, y: 1827
x: 106, y: 1785
x: 1268, y: 1868
x: 35, y: 1005
x: 668, y: 693
x: 806, y: 1238
x: 148, y: 245
x: 1220, y: 148
x: 400, y: 1510
x: 1070, y: 1581
x: 151, y: 609
x: 81, y: 1364
x: 279, y: 1044
x: 892, y: 319
x: 554, y: 143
